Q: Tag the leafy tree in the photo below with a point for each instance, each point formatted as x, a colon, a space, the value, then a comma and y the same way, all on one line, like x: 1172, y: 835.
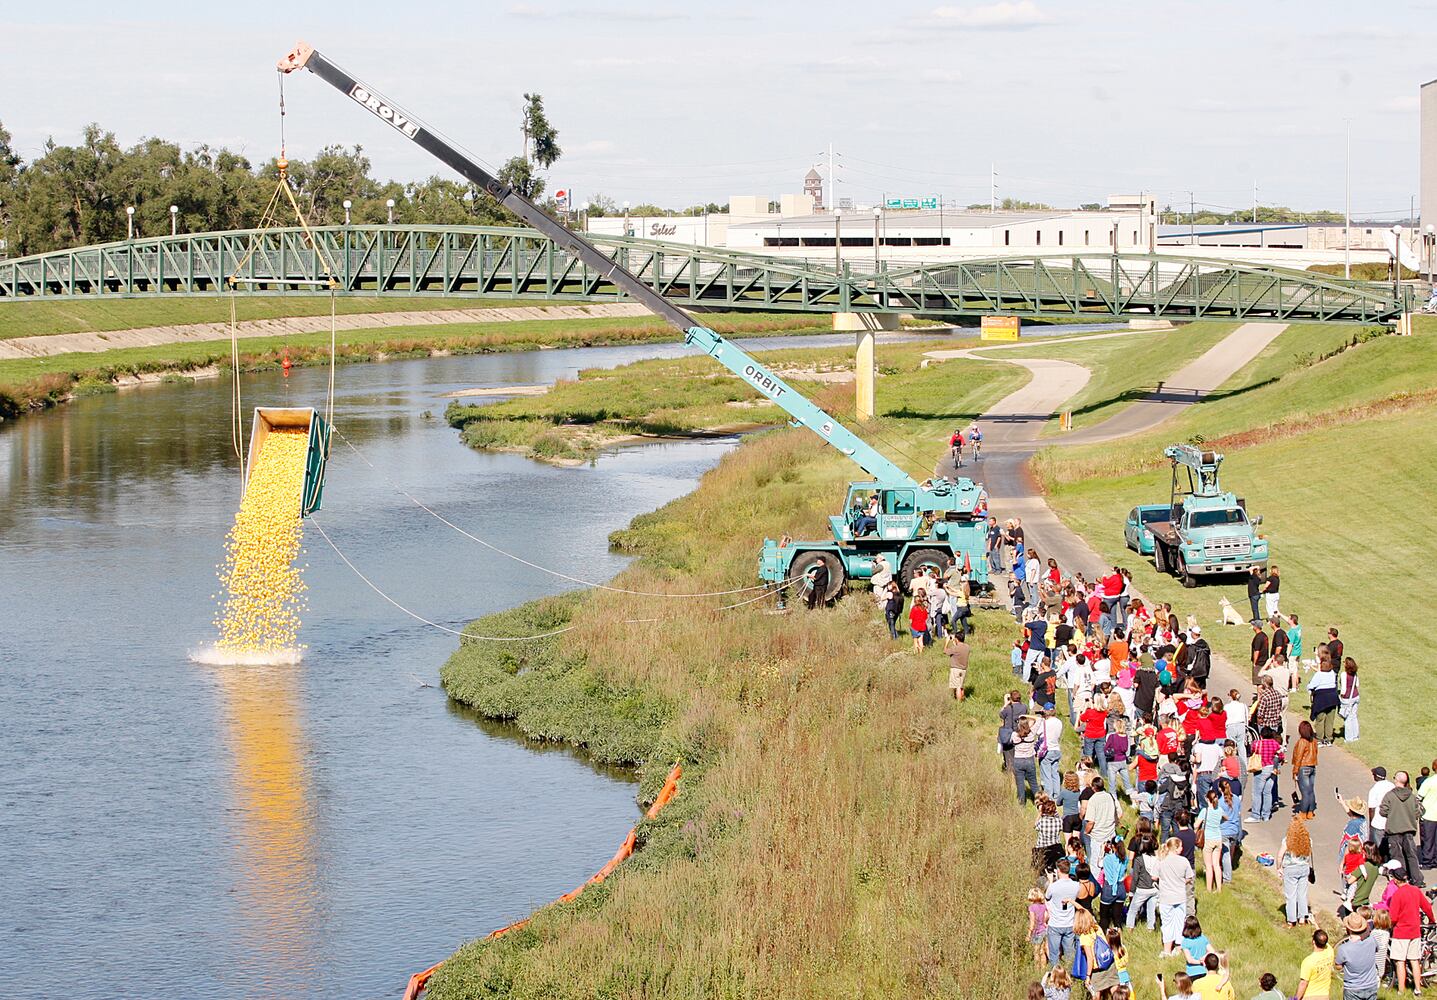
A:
x: 541, y: 140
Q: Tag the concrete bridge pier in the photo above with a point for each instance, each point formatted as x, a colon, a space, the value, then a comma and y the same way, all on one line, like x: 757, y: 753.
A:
x: 865, y: 325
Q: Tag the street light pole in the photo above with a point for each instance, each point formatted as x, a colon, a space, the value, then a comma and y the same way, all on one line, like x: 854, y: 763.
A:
x: 1192, y: 219
x: 877, y: 219
x: 1347, y: 202
x: 174, y: 219
x: 837, y: 241
x: 626, y: 220
x: 389, y: 205
x: 129, y: 222
x: 347, y: 205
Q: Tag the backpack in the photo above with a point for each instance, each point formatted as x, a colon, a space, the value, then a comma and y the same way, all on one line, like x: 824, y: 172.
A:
x: 1102, y: 954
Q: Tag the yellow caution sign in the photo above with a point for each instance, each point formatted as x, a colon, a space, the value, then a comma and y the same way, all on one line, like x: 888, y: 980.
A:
x: 1000, y: 328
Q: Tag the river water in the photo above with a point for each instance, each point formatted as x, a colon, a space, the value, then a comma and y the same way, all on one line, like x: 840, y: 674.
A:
x: 169, y: 828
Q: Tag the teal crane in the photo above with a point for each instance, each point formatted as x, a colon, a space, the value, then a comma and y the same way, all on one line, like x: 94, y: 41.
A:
x: 912, y: 526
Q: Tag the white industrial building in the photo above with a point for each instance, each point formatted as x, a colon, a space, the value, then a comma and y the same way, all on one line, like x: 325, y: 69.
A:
x: 954, y: 230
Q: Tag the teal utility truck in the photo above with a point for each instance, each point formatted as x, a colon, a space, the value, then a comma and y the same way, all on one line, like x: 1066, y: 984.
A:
x: 1207, y: 531
x: 917, y: 524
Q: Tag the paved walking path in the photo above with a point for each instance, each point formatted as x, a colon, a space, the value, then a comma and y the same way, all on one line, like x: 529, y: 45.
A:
x: 155, y: 336
x: 1011, y: 436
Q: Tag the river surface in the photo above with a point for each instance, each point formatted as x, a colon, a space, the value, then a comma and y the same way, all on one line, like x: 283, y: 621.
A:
x: 322, y: 830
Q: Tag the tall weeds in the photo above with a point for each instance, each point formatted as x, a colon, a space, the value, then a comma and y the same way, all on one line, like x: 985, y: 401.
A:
x: 841, y: 828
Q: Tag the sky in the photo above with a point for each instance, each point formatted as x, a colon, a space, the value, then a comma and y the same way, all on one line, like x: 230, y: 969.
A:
x: 1069, y: 100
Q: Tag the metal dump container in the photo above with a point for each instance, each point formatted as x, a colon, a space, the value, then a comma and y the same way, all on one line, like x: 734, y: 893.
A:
x: 268, y: 418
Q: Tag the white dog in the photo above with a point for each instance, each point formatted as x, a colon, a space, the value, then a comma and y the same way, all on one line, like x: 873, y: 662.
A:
x: 1230, y: 614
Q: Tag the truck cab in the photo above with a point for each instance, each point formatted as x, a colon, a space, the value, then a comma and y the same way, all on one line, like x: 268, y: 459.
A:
x: 1207, y: 531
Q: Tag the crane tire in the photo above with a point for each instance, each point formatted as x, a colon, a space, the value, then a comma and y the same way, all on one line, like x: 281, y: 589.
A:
x: 804, y: 563
x: 915, y: 560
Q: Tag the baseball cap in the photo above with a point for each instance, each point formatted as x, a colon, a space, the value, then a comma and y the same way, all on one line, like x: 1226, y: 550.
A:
x: 1379, y: 772
x: 1197, y: 630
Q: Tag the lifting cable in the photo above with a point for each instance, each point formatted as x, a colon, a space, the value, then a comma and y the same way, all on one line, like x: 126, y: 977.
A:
x: 533, y: 565
x: 490, y: 638
x: 270, y: 217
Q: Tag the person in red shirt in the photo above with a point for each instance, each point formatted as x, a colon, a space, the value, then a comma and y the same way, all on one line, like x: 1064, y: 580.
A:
x: 918, y: 624
x: 1095, y: 734
x: 1167, y: 739
x: 1211, y: 725
x: 1407, y: 906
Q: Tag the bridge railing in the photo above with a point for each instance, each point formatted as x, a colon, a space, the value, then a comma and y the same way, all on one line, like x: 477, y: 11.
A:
x: 519, y: 263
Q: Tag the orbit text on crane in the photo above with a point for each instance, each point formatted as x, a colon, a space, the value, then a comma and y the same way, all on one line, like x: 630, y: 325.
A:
x: 764, y: 381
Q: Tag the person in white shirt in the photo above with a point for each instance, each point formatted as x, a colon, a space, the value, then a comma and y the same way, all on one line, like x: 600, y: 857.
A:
x: 1236, y: 713
x: 1032, y: 573
x: 1376, y: 822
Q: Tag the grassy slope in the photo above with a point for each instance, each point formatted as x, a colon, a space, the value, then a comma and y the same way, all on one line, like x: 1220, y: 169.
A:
x: 1124, y: 368
x: 680, y: 396
x: 836, y: 805
x: 43, y: 317
x: 1343, y: 501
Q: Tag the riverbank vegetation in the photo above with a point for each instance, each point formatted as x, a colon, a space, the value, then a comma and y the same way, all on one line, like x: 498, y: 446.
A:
x: 839, y: 829
x: 35, y: 383
x: 670, y: 397
x: 1335, y: 454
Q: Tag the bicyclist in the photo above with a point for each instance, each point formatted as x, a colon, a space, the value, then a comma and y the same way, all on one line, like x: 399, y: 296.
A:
x: 975, y: 437
x: 956, y: 444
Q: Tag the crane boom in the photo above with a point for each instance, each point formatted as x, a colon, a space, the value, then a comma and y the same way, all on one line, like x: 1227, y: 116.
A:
x: 730, y: 355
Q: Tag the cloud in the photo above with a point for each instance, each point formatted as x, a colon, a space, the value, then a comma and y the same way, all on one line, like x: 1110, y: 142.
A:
x: 1006, y: 15
x: 1404, y: 104
x: 536, y: 13
x: 940, y: 75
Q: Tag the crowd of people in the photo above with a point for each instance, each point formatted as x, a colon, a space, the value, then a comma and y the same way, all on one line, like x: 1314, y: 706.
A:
x: 1168, y: 775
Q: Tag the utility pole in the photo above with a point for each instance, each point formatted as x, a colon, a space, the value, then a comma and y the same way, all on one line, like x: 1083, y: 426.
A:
x: 993, y: 187
x: 1347, y: 202
x: 832, y: 181
x: 837, y: 242
x: 1192, y: 219
x: 1254, y: 203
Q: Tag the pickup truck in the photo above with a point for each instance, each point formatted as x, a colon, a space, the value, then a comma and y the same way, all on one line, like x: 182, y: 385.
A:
x: 1136, y: 530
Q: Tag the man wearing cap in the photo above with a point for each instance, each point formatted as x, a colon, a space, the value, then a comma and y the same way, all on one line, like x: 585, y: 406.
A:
x: 1376, y: 822
x: 1400, y: 809
x: 1357, y: 959
x: 1407, y: 906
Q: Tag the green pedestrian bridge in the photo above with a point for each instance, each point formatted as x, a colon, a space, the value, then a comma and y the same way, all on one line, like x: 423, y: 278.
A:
x: 521, y: 264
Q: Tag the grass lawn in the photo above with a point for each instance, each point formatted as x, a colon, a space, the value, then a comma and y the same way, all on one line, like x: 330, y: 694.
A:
x: 1125, y: 368
x: 25, y: 318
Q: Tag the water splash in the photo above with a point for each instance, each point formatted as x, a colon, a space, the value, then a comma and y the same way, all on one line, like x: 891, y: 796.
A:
x: 215, y: 656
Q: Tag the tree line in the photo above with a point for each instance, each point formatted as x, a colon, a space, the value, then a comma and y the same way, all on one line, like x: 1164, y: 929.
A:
x: 78, y: 195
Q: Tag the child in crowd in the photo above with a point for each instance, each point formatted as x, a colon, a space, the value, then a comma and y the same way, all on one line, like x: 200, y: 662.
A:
x: 1268, y: 982
x: 1038, y: 925
x: 1057, y: 984
x: 1146, y: 801
x: 1120, y: 957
